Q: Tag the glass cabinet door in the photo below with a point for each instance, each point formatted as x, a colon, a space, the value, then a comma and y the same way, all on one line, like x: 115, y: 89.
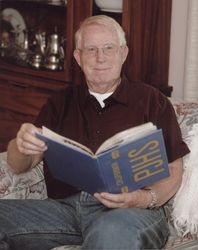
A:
x: 34, y: 37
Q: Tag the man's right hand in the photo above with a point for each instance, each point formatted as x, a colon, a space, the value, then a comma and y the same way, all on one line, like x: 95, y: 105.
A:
x: 27, y: 142
x: 26, y: 150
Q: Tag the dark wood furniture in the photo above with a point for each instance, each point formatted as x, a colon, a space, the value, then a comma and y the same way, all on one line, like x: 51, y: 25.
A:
x: 24, y: 90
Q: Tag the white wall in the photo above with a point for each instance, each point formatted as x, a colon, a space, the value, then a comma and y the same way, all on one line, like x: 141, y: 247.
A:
x: 177, y: 46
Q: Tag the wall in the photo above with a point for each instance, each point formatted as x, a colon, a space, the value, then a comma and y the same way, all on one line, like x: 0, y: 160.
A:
x: 177, y: 46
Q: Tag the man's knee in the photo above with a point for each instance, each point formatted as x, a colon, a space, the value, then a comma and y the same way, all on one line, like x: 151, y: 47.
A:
x: 112, y: 230
x: 124, y: 229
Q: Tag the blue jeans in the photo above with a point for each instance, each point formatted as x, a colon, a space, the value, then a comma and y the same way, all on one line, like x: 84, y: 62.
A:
x: 78, y: 220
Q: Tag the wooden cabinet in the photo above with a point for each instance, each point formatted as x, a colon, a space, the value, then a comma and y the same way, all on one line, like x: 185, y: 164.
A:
x: 44, y: 17
x: 24, y: 88
x: 20, y: 101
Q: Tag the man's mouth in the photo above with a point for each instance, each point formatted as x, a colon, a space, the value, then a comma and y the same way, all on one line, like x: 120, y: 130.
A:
x: 102, y: 69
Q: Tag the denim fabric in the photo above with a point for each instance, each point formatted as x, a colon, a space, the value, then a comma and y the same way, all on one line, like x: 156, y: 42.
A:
x: 78, y: 220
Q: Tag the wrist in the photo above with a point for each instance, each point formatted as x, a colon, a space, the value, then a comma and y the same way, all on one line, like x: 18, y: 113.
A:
x: 153, y: 199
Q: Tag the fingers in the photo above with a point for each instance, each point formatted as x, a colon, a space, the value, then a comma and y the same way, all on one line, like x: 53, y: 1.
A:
x: 111, y: 200
x: 122, y: 200
x: 27, y: 142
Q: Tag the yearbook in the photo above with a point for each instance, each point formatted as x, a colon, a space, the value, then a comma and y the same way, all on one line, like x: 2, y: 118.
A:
x: 129, y: 160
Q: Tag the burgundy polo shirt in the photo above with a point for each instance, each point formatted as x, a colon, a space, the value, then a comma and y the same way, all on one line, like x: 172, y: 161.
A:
x: 78, y: 115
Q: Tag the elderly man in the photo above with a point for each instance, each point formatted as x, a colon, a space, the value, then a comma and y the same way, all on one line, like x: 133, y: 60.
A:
x: 103, y: 105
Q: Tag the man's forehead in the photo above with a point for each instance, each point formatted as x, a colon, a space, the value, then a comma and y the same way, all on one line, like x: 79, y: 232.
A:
x: 99, y: 31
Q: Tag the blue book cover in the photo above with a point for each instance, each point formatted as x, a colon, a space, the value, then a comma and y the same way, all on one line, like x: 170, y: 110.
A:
x: 122, y: 164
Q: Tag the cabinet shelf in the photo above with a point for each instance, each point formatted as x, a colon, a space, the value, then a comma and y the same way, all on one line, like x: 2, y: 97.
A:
x: 35, y: 39
x: 38, y: 73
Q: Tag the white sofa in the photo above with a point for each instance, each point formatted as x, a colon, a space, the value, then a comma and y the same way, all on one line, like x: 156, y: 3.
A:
x: 31, y: 185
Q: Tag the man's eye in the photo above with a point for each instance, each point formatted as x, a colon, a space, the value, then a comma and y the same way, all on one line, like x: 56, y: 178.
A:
x: 91, y: 49
x: 109, y: 47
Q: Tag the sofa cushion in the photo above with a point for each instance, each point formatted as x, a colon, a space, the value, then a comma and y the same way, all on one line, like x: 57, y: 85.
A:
x: 187, y: 115
x: 28, y: 185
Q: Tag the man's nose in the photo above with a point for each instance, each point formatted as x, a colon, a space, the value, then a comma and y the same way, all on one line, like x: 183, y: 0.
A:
x: 100, y: 54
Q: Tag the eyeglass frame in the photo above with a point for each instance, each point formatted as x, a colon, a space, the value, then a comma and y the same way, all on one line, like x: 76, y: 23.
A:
x: 107, y: 49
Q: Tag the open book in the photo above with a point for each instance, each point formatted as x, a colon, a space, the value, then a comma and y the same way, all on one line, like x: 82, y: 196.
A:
x: 129, y: 160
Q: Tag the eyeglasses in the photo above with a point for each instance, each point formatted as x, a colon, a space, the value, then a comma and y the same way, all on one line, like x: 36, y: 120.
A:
x: 107, y: 50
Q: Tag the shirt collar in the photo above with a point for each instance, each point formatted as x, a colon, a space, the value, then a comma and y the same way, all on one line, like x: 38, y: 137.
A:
x: 120, y: 95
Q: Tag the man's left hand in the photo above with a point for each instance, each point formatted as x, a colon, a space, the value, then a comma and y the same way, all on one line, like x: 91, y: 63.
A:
x: 139, y: 198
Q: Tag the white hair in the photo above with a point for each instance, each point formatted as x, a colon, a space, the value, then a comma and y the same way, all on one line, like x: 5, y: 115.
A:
x: 100, y: 20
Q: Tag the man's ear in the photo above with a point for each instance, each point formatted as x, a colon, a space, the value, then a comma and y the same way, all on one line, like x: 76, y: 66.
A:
x: 76, y: 55
x: 125, y: 52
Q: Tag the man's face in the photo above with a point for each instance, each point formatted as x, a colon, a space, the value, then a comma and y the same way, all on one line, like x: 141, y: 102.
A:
x: 100, y: 55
